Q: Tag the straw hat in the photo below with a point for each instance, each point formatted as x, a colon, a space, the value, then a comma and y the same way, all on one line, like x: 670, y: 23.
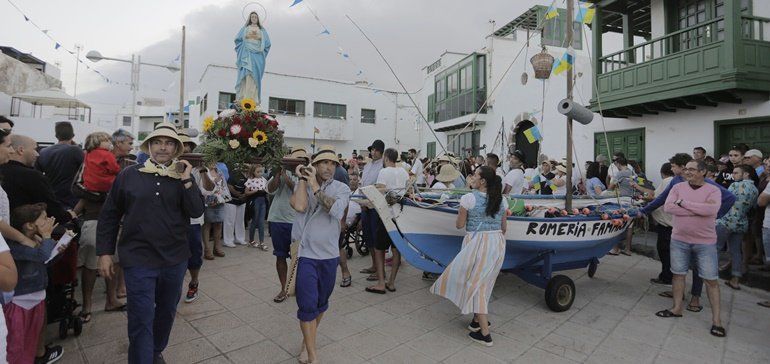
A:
x: 326, y: 153
x: 164, y: 129
x: 444, y: 158
x: 561, y: 169
x: 186, y: 138
x: 298, y: 152
x: 448, y: 173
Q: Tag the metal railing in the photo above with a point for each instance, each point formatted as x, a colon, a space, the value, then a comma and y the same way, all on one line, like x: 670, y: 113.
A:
x: 681, y: 40
x: 755, y: 27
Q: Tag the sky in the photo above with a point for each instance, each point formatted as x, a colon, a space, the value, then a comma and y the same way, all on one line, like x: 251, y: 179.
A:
x: 411, y: 33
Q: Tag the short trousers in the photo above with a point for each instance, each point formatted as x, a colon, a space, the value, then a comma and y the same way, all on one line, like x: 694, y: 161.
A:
x: 23, y: 331
x: 704, y: 256
x: 195, y: 241
x: 315, y: 283
x: 369, y: 218
x: 382, y: 240
x: 87, y: 251
x: 280, y: 234
x: 215, y: 214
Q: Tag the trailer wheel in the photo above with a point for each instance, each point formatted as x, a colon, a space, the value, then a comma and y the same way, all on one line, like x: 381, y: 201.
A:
x: 77, y: 326
x: 591, y: 269
x: 63, y: 328
x: 560, y: 293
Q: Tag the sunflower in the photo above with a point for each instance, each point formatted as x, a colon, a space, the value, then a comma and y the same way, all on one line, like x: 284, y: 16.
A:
x: 260, y: 136
x: 208, y: 122
x: 248, y: 104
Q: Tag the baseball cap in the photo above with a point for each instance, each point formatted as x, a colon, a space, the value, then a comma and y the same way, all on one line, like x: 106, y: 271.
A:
x: 753, y: 153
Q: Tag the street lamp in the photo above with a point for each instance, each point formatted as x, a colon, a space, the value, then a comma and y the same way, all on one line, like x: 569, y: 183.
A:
x: 136, y: 63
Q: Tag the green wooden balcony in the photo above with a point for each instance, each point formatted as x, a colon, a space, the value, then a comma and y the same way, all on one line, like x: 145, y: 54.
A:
x: 715, y: 61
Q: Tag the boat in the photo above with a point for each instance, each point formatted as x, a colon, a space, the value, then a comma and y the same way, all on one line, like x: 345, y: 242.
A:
x: 426, y: 236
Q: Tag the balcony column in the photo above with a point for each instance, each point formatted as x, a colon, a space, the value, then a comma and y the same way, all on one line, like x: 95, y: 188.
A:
x: 733, y: 54
x: 628, y: 37
x: 596, y: 52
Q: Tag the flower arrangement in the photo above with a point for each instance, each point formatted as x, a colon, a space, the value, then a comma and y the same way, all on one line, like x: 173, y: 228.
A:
x: 242, y: 135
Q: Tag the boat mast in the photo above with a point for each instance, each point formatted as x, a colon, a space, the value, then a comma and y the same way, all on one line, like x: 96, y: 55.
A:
x: 570, y: 28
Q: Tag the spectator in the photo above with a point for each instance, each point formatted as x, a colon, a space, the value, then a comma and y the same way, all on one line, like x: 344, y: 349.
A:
x: 542, y: 182
x: 370, y: 220
x: 493, y: 161
x: 445, y: 178
x: 25, y: 185
x: 620, y: 181
x: 216, y: 194
x: 234, y: 228
x: 694, y: 206
x: 764, y: 201
x: 256, y: 188
x: 153, y: 249
x: 594, y: 184
x: 515, y: 182
x: 8, y: 278
x: 6, y: 124
x: 732, y: 227
x: 60, y: 162
x: 698, y: 153
x: 753, y: 157
x: 101, y: 166
x: 417, y: 167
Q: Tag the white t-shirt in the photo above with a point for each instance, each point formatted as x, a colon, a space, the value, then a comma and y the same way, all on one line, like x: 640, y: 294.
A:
x: 500, y: 172
x: 468, y: 201
x: 561, y: 190
x: 393, y: 178
x: 353, y: 210
x: 766, y: 222
x: 516, y: 179
x: 417, y: 169
x: 661, y: 216
x: 443, y: 186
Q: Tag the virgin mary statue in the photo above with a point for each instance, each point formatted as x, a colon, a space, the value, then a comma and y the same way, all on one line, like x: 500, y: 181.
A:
x: 251, y: 46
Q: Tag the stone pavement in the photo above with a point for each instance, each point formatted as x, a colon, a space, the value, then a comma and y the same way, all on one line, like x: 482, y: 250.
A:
x: 612, y: 321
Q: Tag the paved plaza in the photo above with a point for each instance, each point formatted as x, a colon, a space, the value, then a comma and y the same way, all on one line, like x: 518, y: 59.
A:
x: 612, y: 321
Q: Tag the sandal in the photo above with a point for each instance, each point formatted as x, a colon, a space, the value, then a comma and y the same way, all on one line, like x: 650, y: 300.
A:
x: 208, y: 256
x: 280, y: 297
x: 628, y: 254
x: 346, y: 281
x: 667, y: 294
x: 372, y: 278
x: 613, y: 254
x: 692, y: 308
x: 735, y: 287
x: 764, y: 304
x: 367, y: 271
x: 718, y: 331
x: 219, y: 253
x: 375, y: 290
x: 389, y: 288
x: 85, y: 317
x: 666, y: 314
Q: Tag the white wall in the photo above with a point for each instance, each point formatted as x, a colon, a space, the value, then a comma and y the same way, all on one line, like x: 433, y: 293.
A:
x: 394, y: 125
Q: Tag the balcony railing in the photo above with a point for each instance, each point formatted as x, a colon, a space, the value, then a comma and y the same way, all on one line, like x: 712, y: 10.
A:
x: 682, y: 40
x: 755, y: 28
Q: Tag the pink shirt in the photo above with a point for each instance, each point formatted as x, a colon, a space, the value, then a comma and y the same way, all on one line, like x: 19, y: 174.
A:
x: 694, y: 222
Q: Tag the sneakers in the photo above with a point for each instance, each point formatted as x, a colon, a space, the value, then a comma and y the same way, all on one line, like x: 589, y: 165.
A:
x: 192, y: 293
x: 429, y: 276
x: 262, y: 246
x: 475, y: 327
x: 52, y: 355
x: 478, y: 337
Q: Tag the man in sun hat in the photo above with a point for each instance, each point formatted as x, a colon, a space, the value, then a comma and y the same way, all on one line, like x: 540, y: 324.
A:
x: 155, y: 202
x: 321, y: 205
x: 280, y: 217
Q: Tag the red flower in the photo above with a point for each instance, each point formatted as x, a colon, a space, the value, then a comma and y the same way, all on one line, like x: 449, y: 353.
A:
x: 245, y: 133
x: 222, y: 132
x: 273, y: 123
x: 236, y: 119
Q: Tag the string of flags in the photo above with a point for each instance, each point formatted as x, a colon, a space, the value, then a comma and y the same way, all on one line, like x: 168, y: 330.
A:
x: 585, y: 13
x: 58, y: 45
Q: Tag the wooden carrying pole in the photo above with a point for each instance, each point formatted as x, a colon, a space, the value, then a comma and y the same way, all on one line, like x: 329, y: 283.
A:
x: 181, y: 82
x: 570, y: 28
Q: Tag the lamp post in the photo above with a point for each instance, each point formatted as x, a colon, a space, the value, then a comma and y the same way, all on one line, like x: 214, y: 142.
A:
x: 136, y: 63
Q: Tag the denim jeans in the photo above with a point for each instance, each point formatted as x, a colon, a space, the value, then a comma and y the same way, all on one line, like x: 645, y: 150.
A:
x: 153, y: 294
x: 733, y: 242
x: 258, y: 220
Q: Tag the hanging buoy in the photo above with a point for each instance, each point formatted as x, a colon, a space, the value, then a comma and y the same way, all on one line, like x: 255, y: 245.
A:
x: 542, y: 63
x: 575, y: 111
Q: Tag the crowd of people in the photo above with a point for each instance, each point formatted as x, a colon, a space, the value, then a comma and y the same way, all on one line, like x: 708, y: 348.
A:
x: 145, y: 219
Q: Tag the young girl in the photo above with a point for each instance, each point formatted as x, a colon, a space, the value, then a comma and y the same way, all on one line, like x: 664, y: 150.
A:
x: 256, y: 186
x: 25, y: 314
x: 482, y: 214
x: 101, y: 167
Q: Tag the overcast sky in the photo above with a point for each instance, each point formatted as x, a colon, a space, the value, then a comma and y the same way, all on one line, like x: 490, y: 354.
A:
x: 411, y: 33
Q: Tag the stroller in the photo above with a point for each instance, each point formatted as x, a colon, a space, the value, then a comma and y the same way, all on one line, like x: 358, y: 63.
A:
x: 354, y: 234
x: 60, y: 300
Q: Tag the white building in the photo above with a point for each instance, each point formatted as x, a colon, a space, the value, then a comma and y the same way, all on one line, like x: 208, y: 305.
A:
x: 347, y: 115
x: 31, y: 96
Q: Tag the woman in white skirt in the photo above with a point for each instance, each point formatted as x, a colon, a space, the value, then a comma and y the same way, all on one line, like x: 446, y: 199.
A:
x: 468, y: 281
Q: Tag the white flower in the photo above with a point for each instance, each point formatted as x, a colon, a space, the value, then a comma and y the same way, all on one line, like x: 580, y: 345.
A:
x: 227, y: 113
x: 235, y: 129
x: 234, y: 143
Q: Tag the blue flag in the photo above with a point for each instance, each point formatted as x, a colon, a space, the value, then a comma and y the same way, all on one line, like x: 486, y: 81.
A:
x: 57, y: 46
x: 295, y: 2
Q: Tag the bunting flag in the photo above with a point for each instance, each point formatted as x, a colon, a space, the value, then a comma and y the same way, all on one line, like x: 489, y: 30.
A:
x: 565, y: 62
x: 552, y: 11
x: 359, y: 73
x: 295, y: 2
x: 585, y: 14
x: 533, y: 134
x: 25, y: 18
x: 57, y: 46
x: 326, y: 31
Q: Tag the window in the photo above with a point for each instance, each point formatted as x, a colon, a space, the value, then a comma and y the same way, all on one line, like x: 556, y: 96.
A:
x: 440, y: 89
x: 431, y: 150
x: 466, y: 78
x: 226, y: 100
x: 126, y: 121
x: 555, y: 31
x: 368, y: 116
x: 204, y: 104
x: 451, y: 84
x: 462, y: 143
x: 431, y: 107
x: 332, y: 111
x: 287, y: 106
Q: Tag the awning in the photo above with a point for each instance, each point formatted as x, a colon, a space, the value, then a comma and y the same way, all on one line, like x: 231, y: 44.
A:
x: 51, y: 97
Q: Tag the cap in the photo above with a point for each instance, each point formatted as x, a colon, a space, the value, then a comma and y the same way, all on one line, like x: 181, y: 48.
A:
x: 753, y: 153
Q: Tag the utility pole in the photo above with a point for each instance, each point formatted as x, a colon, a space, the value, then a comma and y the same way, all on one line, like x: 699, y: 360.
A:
x: 79, y: 48
x: 181, y: 83
x: 570, y: 28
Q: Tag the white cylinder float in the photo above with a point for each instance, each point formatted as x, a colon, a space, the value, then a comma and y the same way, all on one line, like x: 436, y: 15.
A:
x: 575, y: 111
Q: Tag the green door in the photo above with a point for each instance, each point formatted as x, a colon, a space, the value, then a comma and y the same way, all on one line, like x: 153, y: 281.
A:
x: 431, y: 150
x: 630, y: 142
x: 754, y: 132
